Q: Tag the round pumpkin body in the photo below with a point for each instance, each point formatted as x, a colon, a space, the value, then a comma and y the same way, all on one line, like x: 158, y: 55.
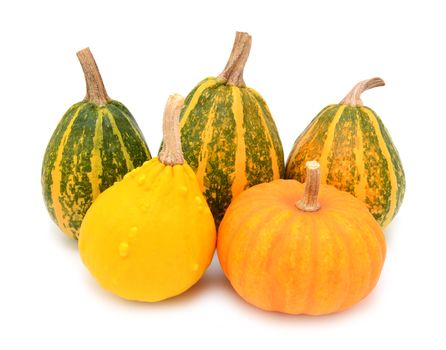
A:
x: 229, y: 138
x: 95, y: 144
x: 356, y: 155
x: 280, y: 258
x: 150, y: 236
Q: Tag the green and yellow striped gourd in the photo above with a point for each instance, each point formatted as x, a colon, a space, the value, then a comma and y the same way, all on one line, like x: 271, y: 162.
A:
x: 228, y: 135
x: 95, y: 144
x: 356, y: 154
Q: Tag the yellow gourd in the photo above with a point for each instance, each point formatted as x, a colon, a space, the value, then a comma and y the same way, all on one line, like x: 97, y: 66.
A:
x: 151, y: 236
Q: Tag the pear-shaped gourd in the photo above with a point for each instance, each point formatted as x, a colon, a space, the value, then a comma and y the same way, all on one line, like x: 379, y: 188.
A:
x: 96, y: 143
x: 356, y: 154
x: 151, y: 236
x: 228, y: 134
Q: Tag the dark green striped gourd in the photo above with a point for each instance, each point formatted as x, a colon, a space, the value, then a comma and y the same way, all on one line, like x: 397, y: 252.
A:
x: 228, y: 134
x: 356, y: 154
x: 95, y: 144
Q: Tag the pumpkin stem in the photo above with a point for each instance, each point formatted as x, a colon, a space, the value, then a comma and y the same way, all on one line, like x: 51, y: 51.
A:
x: 309, y: 201
x: 353, y: 98
x: 96, y: 92
x: 171, y: 152
x: 233, y: 72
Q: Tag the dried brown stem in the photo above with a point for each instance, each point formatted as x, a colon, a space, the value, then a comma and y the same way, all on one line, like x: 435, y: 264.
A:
x: 171, y: 153
x: 309, y: 202
x: 96, y: 92
x: 353, y: 98
x: 233, y: 72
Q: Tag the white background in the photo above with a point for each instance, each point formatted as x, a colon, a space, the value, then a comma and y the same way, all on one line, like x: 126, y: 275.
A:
x: 303, y: 57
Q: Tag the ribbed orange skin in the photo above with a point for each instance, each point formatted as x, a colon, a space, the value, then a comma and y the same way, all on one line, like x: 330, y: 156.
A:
x: 280, y: 258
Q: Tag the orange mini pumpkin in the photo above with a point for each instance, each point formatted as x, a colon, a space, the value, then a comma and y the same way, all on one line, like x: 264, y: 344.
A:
x: 300, y: 249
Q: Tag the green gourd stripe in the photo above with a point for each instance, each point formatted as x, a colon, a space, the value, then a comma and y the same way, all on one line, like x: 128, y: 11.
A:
x: 117, y: 133
x: 114, y: 105
x: 396, y: 163
x: 191, y: 94
x: 342, y: 157
x: 196, y: 121
x: 392, y: 195
x: 51, y: 155
x: 220, y: 167
x: 310, y: 144
x: 75, y: 187
x: 114, y: 162
x: 258, y: 159
x: 96, y: 161
x: 194, y: 99
x: 376, y: 170
x: 132, y: 139
x: 316, y: 119
x: 265, y: 113
x: 117, y: 107
x: 131, y: 133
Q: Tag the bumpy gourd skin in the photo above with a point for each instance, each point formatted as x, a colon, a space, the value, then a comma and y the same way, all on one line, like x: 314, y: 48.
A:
x: 150, y: 236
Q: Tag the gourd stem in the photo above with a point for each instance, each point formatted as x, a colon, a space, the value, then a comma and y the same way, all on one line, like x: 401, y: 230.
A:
x: 353, y: 98
x: 309, y: 202
x: 96, y: 92
x: 233, y: 72
x: 171, y: 152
